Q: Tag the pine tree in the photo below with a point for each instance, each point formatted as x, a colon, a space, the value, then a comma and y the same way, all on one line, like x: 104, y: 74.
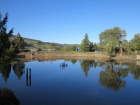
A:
x: 85, y: 44
x: 4, y: 37
x: 19, y: 43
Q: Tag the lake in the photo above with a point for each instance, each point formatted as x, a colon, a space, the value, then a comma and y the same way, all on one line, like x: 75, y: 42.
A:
x: 70, y: 82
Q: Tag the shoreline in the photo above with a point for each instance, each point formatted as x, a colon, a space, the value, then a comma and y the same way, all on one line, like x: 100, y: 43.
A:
x: 73, y: 55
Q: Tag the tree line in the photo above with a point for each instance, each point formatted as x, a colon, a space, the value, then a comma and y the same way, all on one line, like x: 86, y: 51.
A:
x: 112, y: 41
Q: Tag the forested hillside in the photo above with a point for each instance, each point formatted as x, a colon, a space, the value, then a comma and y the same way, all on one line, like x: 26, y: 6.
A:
x: 37, y: 45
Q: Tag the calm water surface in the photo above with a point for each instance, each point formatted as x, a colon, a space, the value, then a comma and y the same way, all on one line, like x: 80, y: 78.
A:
x: 71, y: 82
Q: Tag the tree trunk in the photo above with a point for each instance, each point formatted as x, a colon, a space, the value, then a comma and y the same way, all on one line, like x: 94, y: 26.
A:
x: 120, y: 50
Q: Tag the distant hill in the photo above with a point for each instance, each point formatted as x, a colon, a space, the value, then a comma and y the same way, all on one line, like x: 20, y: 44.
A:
x: 33, y: 44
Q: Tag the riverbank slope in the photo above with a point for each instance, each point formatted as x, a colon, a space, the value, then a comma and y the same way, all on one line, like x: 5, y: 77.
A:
x: 73, y: 55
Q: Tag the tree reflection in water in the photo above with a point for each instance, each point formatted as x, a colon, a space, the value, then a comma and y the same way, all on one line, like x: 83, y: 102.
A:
x: 87, y: 64
x: 73, y: 61
x: 112, y: 76
x: 134, y: 70
x: 5, y: 70
x: 19, y: 69
x: 7, y: 97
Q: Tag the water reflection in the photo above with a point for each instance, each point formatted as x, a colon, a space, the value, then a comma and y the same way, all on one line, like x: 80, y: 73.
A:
x: 28, y: 77
x: 111, y: 76
x: 5, y: 70
x: 113, y: 73
x: 86, y: 65
x: 135, y: 71
x: 7, y: 97
x: 74, y: 84
x: 63, y: 65
x: 19, y: 69
x: 73, y: 61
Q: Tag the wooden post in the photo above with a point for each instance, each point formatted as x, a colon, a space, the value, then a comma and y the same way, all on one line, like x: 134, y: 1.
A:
x: 27, y: 77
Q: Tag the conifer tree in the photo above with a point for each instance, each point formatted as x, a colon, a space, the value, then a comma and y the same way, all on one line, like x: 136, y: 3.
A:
x: 4, y: 37
x: 19, y: 43
x: 85, y: 44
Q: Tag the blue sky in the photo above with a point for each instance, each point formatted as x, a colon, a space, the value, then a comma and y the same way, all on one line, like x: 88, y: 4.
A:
x: 67, y: 21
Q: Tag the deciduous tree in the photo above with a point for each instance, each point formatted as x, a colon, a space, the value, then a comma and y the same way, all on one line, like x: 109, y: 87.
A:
x: 135, y: 43
x: 112, y: 38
